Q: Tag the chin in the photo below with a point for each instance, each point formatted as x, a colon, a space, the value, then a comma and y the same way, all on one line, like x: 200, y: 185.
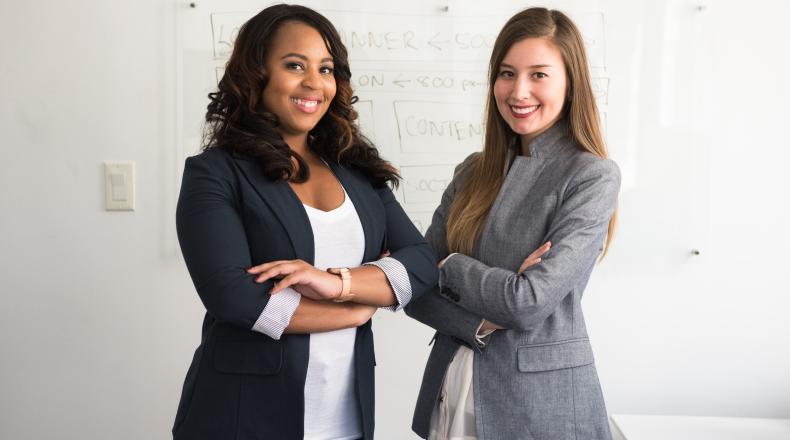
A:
x: 522, y: 131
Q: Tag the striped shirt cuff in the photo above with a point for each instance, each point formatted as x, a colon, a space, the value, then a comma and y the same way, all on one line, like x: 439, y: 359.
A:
x: 398, y: 278
x: 278, y: 313
x: 479, y: 335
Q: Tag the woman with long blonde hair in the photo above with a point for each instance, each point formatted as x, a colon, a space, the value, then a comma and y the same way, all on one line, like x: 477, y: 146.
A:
x: 511, y: 358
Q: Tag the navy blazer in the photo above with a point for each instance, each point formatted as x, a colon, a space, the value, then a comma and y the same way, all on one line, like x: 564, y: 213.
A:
x: 243, y: 384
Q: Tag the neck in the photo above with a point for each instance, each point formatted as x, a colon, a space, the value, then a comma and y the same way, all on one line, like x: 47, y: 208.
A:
x: 525, y: 140
x: 297, y: 143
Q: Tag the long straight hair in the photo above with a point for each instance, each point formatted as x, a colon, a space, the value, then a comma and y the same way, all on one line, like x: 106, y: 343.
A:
x: 486, y: 174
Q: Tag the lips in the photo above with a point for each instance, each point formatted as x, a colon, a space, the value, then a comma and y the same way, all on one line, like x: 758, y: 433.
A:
x: 522, y: 112
x: 307, y: 104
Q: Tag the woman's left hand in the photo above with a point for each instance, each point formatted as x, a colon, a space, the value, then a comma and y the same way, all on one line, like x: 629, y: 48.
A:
x: 441, y: 263
x: 304, y: 278
x: 535, y: 257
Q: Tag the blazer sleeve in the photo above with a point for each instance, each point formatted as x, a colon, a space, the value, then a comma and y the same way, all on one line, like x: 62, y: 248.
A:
x: 436, y: 310
x: 408, y: 247
x: 214, y: 244
x: 577, y: 232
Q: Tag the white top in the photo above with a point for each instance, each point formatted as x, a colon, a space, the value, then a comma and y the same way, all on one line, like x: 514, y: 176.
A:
x: 331, y: 410
x: 279, y: 310
x: 454, y: 416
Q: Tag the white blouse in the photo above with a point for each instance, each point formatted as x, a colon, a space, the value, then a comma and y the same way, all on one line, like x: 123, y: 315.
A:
x: 331, y: 407
x: 331, y: 410
x: 454, y: 416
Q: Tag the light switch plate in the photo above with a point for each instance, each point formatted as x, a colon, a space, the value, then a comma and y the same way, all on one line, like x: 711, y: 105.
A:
x: 119, y: 186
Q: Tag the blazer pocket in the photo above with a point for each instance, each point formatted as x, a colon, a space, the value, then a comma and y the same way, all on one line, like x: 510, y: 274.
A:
x: 554, y: 355
x: 240, y: 356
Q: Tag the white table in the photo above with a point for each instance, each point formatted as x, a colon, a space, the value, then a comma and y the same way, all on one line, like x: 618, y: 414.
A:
x: 641, y: 427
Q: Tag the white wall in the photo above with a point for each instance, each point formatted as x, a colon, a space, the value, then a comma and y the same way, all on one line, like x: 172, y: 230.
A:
x: 98, y: 317
x: 709, y: 337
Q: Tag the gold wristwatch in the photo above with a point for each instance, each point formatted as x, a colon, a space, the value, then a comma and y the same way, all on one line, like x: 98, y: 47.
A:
x: 345, y: 275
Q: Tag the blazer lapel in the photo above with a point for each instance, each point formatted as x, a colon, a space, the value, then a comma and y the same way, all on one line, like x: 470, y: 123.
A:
x: 285, y: 205
x: 519, y: 181
x: 361, y: 204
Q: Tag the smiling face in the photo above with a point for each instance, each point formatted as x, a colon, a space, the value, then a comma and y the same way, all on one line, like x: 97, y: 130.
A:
x: 530, y: 87
x: 300, y: 80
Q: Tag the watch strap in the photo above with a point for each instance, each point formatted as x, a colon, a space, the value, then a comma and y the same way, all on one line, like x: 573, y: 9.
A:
x: 345, y: 276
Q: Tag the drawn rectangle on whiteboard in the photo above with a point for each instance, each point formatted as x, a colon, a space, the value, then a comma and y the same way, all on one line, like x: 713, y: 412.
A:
x: 365, y: 119
x: 425, y: 183
x: 434, y: 127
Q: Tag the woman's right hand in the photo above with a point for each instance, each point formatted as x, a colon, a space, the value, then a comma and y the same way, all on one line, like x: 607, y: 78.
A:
x: 301, y: 276
x: 534, y: 257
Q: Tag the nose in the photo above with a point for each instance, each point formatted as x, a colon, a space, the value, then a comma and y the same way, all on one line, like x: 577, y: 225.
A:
x: 311, y: 79
x: 521, y: 88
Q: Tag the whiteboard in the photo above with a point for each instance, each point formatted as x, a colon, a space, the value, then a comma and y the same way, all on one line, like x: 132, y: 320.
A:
x: 420, y: 74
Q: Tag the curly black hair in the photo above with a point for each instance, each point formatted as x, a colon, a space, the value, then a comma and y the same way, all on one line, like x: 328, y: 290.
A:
x: 236, y: 120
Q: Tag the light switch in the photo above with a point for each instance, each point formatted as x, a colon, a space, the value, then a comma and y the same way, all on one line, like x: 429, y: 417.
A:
x: 119, y: 186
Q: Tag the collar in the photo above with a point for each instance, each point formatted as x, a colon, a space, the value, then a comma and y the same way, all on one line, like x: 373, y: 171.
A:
x: 555, y: 140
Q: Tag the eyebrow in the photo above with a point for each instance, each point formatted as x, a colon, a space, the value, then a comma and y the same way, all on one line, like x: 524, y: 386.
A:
x: 302, y: 57
x: 534, y: 66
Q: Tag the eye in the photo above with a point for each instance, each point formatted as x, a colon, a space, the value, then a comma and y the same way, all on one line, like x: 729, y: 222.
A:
x: 505, y: 74
x: 327, y: 70
x: 539, y: 75
x: 293, y: 65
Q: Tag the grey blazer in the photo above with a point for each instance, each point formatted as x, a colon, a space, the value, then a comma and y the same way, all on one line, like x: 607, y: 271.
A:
x: 536, y: 380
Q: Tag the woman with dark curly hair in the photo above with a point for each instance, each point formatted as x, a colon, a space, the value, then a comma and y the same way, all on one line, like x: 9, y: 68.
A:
x: 284, y: 221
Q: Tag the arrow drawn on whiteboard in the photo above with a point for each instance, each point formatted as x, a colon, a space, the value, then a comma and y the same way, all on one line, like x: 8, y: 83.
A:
x: 434, y: 42
x: 400, y: 82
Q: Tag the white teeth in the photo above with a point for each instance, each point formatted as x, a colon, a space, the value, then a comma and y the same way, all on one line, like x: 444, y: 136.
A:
x: 524, y: 110
x: 306, y: 103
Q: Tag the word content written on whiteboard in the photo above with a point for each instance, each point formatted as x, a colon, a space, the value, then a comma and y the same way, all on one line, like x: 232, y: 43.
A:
x: 421, y: 79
